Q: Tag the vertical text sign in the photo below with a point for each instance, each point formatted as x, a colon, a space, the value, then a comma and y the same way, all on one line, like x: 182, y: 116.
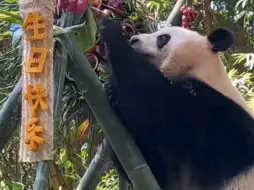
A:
x: 36, y: 136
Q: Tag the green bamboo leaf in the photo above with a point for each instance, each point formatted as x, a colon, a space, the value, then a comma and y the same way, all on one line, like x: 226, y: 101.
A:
x: 17, y: 186
x: 68, y: 164
x: 87, y: 37
x: 240, y: 15
x: 11, y: 1
x: 5, y: 34
x: 11, y: 16
x: 238, y: 4
x: 244, y: 3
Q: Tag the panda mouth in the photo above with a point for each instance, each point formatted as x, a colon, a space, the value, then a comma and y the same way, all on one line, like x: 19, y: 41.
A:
x: 142, y: 53
x: 147, y: 55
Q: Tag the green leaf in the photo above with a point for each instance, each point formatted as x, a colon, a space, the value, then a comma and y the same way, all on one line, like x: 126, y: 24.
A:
x: 17, y: 186
x: 238, y: 4
x: 240, y: 15
x: 68, y: 164
x: 11, y: 1
x: 11, y: 16
x: 87, y: 38
x: 63, y: 155
x: 244, y: 3
x: 5, y: 34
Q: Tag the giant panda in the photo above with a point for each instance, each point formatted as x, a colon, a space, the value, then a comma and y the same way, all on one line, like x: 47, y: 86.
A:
x: 170, y: 90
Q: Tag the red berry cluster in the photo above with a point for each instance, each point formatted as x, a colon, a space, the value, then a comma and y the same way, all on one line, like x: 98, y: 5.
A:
x: 73, y: 5
x: 189, y: 16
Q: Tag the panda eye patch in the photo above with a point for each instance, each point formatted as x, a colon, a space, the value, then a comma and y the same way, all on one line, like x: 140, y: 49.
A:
x: 162, y: 40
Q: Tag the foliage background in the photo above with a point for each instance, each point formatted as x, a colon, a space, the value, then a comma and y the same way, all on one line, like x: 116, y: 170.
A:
x: 75, y: 148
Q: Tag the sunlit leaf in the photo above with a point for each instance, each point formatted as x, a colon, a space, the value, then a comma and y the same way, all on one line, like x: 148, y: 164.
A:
x: 87, y: 37
x: 4, y: 35
x: 18, y: 186
x: 11, y: 1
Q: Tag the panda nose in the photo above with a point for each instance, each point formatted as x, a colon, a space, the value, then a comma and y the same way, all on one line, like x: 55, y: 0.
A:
x: 134, y: 40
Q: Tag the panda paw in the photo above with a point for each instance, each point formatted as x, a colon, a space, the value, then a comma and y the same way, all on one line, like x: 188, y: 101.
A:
x: 110, y: 31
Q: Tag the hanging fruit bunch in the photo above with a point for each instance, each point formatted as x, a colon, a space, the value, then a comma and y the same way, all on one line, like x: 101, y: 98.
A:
x: 189, y: 16
x: 73, y: 5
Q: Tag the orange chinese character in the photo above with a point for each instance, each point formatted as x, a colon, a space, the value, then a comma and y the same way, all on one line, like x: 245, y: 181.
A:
x: 35, y: 23
x: 36, y: 60
x: 35, y: 96
x: 33, y: 140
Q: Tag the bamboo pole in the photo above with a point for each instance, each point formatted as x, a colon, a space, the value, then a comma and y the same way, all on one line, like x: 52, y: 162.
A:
x: 175, y: 16
x: 123, y: 183
x: 10, y: 115
x: 96, y: 168
x: 42, y: 173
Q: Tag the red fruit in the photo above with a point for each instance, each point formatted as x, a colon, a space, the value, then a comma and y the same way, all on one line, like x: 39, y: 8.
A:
x: 64, y: 4
x: 189, y: 18
x: 185, y: 24
x: 185, y: 12
x: 182, y: 8
x: 189, y: 11
x: 184, y: 18
x: 82, y: 5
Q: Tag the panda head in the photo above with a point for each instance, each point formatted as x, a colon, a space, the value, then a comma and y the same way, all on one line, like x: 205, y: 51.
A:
x: 180, y: 52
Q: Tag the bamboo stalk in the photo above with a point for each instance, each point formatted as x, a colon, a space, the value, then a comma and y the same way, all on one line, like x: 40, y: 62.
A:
x: 60, y: 69
x: 123, y: 183
x: 96, y: 168
x: 124, y: 146
x: 42, y: 174
x: 10, y: 114
x: 174, y: 17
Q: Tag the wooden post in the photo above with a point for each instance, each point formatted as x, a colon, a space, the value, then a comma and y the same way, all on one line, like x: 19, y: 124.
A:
x: 36, y: 136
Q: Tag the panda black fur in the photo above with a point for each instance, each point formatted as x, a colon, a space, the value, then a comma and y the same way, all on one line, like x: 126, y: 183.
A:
x: 182, y: 127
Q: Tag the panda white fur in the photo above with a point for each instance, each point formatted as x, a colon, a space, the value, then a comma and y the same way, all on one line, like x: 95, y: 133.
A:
x: 194, y: 132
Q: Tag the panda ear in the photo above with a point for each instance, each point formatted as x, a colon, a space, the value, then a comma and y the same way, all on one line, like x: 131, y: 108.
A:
x: 221, y: 39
